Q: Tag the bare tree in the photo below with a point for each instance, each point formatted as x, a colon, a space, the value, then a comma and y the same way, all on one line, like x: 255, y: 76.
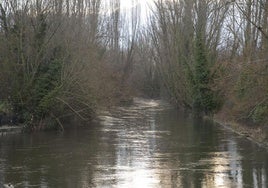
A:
x: 180, y: 29
x: 53, y: 57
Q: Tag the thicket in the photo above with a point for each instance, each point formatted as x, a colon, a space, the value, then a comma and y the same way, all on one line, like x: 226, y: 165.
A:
x: 245, y: 60
x: 246, y: 93
x: 211, y: 56
x: 60, y: 59
x: 185, y: 52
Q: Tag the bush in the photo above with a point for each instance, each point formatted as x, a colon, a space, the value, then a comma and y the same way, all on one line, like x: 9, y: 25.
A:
x: 260, y: 114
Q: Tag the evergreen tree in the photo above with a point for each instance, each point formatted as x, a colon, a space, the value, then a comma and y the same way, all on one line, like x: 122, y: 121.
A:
x: 205, y: 100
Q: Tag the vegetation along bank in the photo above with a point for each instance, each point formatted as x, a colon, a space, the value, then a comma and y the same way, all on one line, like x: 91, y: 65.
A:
x: 68, y: 58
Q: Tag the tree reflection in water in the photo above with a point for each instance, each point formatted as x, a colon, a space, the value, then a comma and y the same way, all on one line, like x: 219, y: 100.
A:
x: 147, y: 144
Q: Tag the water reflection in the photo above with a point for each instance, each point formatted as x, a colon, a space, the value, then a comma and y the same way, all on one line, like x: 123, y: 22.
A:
x: 144, y: 145
x: 226, y: 168
x: 134, y: 135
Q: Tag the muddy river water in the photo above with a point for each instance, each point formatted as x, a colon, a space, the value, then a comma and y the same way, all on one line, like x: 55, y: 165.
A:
x: 145, y: 145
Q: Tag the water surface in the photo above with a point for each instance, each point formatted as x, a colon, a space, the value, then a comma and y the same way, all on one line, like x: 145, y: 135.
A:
x: 145, y: 145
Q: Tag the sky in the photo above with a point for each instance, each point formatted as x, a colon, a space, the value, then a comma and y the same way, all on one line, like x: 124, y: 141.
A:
x: 143, y: 4
x: 143, y: 7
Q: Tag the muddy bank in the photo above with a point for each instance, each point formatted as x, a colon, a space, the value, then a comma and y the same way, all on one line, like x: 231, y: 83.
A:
x: 257, y: 134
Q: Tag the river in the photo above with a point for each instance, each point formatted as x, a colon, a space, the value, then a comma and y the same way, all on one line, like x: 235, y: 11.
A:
x: 145, y: 145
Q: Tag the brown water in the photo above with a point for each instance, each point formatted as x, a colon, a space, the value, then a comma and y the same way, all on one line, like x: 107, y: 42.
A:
x: 144, y: 145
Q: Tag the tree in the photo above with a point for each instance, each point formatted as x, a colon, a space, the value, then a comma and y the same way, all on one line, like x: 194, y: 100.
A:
x: 186, y: 36
x: 246, y: 52
x: 53, y: 57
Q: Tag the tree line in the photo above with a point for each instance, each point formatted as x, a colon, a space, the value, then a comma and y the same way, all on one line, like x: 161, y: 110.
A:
x: 62, y: 58
x: 211, y: 56
x: 65, y: 57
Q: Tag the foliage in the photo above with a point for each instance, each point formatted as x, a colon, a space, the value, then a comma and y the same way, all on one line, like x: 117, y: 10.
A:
x: 51, y: 65
x: 5, y: 107
x: 46, y: 88
x: 205, y: 100
x: 260, y: 113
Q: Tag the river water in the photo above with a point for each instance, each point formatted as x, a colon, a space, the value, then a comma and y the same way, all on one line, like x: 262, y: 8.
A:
x: 145, y: 145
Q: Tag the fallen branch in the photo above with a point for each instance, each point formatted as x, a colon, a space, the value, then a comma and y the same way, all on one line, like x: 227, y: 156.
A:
x: 76, y: 112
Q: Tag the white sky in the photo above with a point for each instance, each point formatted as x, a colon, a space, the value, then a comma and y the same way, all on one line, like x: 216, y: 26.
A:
x: 128, y: 3
x: 144, y: 5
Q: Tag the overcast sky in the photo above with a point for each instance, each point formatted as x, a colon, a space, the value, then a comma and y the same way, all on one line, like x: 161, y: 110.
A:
x: 144, y: 6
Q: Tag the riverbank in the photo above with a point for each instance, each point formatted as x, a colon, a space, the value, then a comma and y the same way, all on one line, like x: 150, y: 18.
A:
x: 257, y: 134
